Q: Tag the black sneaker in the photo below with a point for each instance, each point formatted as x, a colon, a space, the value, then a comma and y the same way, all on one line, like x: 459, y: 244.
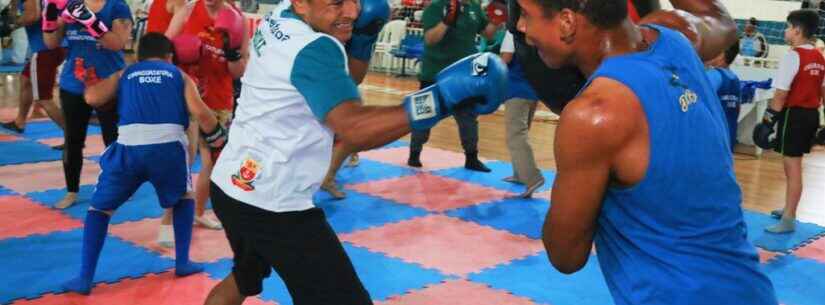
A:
x: 476, y: 165
x: 11, y: 126
x: 414, y: 162
x: 777, y: 213
x: 415, y: 159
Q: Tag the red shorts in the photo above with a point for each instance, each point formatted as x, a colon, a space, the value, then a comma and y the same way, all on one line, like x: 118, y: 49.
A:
x: 41, y: 70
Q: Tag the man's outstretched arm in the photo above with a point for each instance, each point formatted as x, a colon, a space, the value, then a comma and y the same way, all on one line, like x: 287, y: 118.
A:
x: 706, y: 23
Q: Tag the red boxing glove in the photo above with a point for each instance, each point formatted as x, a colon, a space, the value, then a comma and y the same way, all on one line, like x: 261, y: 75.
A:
x: 230, y: 22
x: 187, y: 49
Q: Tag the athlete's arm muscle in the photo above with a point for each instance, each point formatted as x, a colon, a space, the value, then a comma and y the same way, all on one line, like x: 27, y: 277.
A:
x: 365, y: 127
x: 705, y: 22
x: 594, y: 132
x: 104, y: 91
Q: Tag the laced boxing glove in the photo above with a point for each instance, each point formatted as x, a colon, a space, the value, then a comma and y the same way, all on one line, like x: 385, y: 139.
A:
x: 216, y: 140
x: 78, y: 12
x: 374, y: 14
x: 482, y: 75
x: 187, y: 49
x: 50, y: 14
x: 230, y: 23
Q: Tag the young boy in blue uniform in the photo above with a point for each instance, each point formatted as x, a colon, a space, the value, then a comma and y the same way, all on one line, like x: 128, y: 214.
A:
x: 644, y: 165
x: 154, y: 102
x: 727, y: 87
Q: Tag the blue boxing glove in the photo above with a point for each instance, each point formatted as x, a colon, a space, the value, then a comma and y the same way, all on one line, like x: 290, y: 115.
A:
x: 481, y: 75
x: 374, y: 14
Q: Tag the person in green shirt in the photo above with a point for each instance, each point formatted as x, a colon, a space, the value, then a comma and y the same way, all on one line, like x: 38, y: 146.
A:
x: 450, y: 29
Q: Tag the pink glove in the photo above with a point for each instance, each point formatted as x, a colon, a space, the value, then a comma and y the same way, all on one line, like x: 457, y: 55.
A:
x: 82, y: 14
x: 67, y: 18
x: 187, y: 48
x: 230, y: 22
x: 51, y: 11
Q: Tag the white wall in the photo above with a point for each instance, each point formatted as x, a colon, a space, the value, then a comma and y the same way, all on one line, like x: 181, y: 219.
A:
x: 761, y: 9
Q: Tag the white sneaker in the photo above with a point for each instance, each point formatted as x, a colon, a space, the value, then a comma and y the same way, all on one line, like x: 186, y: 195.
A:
x: 208, y: 223
x: 166, y: 236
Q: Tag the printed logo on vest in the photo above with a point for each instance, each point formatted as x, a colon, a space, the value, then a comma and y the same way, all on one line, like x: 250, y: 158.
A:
x: 246, y: 175
x: 688, y: 98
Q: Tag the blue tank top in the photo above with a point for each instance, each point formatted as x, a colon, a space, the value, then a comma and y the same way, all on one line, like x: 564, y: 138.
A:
x: 34, y: 33
x: 35, y: 36
x: 152, y: 92
x: 84, y: 49
x: 678, y: 236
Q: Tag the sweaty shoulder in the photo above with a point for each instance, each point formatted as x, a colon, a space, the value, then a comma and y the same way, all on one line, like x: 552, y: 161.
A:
x: 605, y: 114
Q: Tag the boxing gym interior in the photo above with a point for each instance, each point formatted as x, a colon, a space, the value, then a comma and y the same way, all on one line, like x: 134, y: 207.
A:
x: 434, y: 234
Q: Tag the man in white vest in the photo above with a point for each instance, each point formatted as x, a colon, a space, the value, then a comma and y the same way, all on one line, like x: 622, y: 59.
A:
x: 296, y: 94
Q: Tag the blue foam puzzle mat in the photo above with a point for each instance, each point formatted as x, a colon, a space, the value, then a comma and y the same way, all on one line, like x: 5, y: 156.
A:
x: 797, y: 281
x: 493, y: 179
x: 518, y: 216
x: 368, y: 170
x: 44, y: 262
x: 382, y: 276
x: 6, y: 192
x: 143, y: 204
x: 360, y: 211
x: 26, y: 151
x: 396, y: 144
x: 535, y: 278
x: 43, y: 130
x: 757, y: 222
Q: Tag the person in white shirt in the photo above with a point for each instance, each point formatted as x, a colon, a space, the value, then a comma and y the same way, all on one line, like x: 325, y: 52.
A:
x: 752, y: 43
x: 296, y: 94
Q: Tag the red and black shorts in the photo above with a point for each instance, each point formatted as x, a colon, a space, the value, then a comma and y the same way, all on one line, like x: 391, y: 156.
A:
x: 41, y: 70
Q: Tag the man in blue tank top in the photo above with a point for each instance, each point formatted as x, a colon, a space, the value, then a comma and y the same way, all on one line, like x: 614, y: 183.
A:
x: 154, y: 102
x: 727, y: 86
x: 644, y: 168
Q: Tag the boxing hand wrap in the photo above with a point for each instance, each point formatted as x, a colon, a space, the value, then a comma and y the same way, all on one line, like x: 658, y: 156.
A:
x: 78, y: 12
x: 216, y: 140
x: 51, y: 12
